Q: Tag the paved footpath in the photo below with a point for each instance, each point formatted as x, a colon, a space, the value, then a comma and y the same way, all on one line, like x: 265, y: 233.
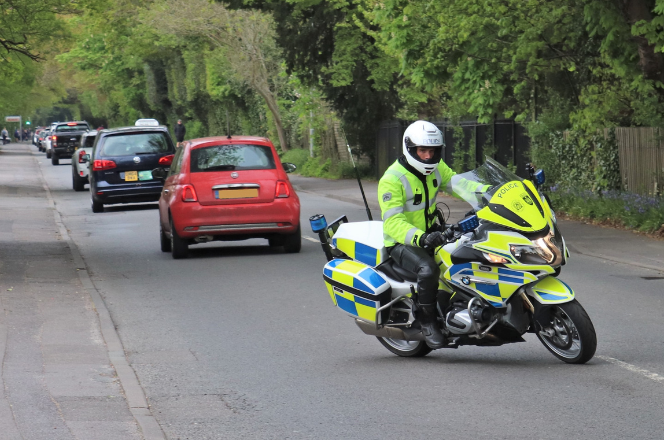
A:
x: 60, y: 364
x: 595, y: 241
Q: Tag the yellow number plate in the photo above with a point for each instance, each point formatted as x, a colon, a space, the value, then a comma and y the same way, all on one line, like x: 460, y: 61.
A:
x: 245, y: 193
x: 131, y: 176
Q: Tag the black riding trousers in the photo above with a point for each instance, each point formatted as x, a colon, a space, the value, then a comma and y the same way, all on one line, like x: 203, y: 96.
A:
x: 419, y: 262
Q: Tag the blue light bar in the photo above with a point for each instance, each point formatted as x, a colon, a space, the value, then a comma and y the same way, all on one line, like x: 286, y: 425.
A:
x: 539, y: 177
x: 318, y: 223
x: 469, y: 223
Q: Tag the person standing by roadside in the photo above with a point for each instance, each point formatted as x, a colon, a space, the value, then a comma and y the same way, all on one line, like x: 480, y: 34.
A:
x: 180, y: 132
x: 17, y: 135
x: 5, y: 135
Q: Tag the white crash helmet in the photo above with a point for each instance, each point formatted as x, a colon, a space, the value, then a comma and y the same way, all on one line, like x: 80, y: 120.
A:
x: 423, y: 134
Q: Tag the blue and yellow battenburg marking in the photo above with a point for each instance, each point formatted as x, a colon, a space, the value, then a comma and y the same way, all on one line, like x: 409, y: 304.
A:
x: 356, y: 288
x: 359, y: 251
x: 495, y: 284
x: 551, y: 290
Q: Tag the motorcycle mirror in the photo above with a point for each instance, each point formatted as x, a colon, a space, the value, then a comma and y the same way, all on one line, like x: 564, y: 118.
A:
x: 539, y: 177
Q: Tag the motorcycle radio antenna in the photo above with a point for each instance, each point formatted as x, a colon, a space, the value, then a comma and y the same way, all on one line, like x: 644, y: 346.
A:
x: 357, y: 174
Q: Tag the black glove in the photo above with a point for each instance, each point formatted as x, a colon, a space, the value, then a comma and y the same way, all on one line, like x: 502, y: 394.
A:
x: 432, y: 240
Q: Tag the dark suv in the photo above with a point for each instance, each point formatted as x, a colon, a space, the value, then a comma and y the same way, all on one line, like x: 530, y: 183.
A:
x: 65, y: 137
x: 122, y: 163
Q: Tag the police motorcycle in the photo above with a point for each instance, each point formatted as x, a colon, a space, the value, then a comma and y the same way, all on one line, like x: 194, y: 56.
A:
x: 498, y: 281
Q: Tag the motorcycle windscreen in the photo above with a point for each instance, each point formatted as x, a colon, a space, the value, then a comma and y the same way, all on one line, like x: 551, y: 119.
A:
x: 500, y: 196
x: 357, y: 289
x: 516, y: 206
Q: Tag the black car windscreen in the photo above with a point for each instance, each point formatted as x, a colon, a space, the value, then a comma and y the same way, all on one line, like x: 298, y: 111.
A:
x: 135, y: 144
x: 232, y: 157
x: 73, y: 127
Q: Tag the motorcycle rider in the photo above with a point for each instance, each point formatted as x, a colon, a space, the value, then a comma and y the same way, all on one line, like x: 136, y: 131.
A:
x: 407, y: 197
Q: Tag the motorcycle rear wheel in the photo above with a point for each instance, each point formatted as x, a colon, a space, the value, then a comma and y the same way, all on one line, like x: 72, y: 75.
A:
x: 569, y: 333
x: 405, y: 348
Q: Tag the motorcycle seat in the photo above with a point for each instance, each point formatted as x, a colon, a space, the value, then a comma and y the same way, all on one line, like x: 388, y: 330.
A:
x: 394, y: 271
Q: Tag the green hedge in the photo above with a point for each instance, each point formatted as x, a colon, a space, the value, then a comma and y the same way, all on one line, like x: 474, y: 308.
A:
x: 324, y: 168
x: 578, y: 160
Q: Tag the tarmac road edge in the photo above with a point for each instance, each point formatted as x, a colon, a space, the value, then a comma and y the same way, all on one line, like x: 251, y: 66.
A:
x: 134, y: 393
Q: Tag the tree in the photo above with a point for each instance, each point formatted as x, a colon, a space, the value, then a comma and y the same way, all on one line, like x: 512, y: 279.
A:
x: 588, y: 63
x: 247, y: 38
x: 26, y: 24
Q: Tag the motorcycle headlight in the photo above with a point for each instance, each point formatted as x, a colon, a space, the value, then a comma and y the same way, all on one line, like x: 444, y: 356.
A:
x: 531, y: 254
x: 495, y: 258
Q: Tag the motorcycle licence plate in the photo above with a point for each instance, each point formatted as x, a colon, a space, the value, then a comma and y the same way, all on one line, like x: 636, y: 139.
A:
x: 241, y: 193
x: 131, y: 176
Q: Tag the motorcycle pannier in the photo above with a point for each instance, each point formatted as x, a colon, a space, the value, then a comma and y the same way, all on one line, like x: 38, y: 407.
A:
x: 357, y: 289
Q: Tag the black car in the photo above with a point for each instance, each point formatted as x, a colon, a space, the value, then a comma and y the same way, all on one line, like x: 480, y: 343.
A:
x: 65, y: 137
x: 122, y: 163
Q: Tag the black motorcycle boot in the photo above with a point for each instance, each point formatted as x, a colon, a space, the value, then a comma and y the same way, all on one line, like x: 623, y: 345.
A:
x: 430, y: 329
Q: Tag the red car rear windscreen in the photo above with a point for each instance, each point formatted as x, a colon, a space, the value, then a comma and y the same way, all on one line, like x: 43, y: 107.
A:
x: 232, y: 157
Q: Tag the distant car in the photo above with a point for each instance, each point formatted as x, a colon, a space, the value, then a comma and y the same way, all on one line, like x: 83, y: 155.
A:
x: 65, y: 137
x: 46, y: 143
x: 81, y: 159
x: 122, y: 163
x: 35, y: 136
x: 221, y: 188
x: 41, y: 140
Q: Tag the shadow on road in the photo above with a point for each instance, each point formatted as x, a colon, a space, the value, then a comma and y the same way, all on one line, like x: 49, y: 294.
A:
x: 141, y: 207
x: 232, y: 251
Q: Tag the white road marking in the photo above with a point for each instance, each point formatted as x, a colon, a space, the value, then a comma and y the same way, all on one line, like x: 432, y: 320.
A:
x: 311, y: 239
x: 634, y: 369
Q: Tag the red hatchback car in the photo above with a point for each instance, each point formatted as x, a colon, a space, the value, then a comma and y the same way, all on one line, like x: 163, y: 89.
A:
x: 221, y: 188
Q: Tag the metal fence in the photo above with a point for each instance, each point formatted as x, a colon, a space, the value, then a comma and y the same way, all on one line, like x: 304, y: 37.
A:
x: 641, y: 151
x: 504, y: 140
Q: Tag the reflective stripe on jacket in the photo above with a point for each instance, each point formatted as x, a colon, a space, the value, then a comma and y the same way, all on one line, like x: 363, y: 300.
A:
x: 403, y: 197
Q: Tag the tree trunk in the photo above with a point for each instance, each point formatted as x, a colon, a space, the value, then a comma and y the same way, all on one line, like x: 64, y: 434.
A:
x: 651, y: 63
x: 274, y: 109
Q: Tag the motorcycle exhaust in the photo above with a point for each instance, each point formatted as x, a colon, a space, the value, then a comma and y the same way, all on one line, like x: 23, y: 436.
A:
x: 404, y: 334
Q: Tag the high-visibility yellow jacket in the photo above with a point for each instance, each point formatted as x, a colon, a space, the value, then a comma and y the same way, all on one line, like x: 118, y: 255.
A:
x: 404, y: 197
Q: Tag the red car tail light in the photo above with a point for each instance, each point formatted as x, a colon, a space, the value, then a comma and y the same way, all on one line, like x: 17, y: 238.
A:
x: 282, y: 190
x: 54, y: 139
x: 166, y: 160
x: 101, y: 165
x: 80, y: 156
x: 189, y: 194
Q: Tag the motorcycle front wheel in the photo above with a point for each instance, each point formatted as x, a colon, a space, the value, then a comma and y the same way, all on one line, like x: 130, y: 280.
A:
x: 568, y: 333
x: 405, y: 348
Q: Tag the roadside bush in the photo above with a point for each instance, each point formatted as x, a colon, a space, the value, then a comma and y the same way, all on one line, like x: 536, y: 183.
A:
x: 633, y: 211
x: 296, y: 156
x: 346, y: 171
